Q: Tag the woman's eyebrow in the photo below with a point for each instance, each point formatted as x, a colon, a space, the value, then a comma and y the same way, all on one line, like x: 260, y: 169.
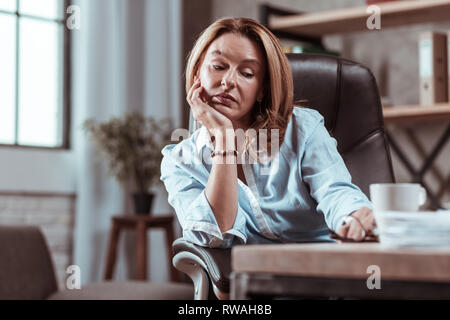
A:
x: 248, y: 60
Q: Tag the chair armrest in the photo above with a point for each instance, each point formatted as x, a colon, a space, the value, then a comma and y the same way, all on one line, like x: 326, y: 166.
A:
x: 216, y: 262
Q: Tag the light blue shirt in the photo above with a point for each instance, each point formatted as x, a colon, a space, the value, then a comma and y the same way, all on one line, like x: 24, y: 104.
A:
x: 305, y: 189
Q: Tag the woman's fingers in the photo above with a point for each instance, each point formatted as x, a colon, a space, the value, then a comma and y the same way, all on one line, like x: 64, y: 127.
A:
x: 358, y: 225
x: 194, y: 101
x: 343, y: 230
x: 356, y: 232
x: 202, y: 111
x: 366, y: 218
x: 351, y: 230
x: 199, y: 108
x: 195, y: 98
x: 192, y: 89
x: 196, y: 95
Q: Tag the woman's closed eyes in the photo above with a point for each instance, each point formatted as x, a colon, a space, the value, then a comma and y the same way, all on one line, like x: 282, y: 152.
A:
x: 221, y: 68
x: 216, y: 67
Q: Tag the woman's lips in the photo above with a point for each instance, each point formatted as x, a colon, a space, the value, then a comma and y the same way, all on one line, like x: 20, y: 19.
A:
x: 224, y: 100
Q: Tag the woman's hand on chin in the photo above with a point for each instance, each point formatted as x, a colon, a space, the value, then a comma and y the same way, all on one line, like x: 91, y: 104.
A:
x: 213, y: 120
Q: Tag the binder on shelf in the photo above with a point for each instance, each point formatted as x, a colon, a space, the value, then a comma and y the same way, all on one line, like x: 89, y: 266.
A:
x: 313, y: 49
x: 287, y: 49
x: 433, y: 68
x: 303, y: 46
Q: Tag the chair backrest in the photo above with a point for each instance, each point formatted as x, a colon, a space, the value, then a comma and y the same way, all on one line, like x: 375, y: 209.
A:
x: 26, y: 268
x: 346, y: 94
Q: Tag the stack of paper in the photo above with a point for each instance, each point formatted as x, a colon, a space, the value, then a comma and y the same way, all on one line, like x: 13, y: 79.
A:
x: 424, y: 228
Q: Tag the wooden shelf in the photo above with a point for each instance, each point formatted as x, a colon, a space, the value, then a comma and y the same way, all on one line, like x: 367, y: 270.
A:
x: 393, y: 14
x: 416, y: 113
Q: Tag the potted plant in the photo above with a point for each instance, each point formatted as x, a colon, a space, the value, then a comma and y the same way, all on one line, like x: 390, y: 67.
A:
x: 132, y: 145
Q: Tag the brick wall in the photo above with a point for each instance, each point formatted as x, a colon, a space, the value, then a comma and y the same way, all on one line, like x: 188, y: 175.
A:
x: 53, y: 213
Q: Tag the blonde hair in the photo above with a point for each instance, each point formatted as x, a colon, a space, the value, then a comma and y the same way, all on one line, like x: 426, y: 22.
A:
x: 277, y: 104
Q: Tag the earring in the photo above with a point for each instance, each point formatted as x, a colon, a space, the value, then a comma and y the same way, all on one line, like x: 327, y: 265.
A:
x: 259, y: 102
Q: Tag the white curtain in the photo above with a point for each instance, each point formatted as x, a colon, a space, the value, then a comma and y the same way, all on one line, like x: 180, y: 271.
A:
x: 112, y: 74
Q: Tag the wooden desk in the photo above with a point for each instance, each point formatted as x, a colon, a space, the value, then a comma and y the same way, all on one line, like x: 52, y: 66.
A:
x: 139, y: 223
x: 407, y: 117
x: 339, y: 270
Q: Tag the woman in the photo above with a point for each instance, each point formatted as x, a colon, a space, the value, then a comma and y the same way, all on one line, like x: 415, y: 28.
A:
x: 239, y: 80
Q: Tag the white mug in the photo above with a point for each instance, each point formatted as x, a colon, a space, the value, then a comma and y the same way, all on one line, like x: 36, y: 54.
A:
x: 397, y: 196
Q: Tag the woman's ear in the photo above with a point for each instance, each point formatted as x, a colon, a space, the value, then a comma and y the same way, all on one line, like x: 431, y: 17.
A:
x: 260, y: 96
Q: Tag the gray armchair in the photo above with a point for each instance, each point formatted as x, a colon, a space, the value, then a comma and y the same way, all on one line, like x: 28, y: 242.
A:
x: 346, y: 94
x: 27, y: 273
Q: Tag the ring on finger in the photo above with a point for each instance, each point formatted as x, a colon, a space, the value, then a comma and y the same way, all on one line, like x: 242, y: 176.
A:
x: 349, y: 218
x: 360, y: 224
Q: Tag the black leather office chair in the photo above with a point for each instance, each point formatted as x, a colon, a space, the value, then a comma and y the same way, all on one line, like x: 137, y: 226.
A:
x: 346, y: 94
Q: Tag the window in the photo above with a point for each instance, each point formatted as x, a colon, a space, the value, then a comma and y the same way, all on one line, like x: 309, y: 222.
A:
x: 34, y: 73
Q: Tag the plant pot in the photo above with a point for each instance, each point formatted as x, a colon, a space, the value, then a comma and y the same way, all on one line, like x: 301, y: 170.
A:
x: 143, y: 203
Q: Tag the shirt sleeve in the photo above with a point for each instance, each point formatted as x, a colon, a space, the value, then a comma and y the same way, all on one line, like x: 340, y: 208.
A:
x: 187, y: 197
x: 328, y: 178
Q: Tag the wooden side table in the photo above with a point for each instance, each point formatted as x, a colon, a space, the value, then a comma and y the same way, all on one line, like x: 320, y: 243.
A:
x: 139, y: 223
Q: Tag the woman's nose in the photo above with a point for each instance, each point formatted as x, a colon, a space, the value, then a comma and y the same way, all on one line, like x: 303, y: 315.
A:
x: 228, y: 81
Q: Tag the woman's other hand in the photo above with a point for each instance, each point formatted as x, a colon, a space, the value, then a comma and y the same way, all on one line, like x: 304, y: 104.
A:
x: 358, y: 225
x: 213, y: 120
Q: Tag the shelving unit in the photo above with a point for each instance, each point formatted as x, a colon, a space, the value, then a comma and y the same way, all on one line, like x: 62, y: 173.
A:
x: 315, y: 25
x: 393, y: 14
x: 416, y: 113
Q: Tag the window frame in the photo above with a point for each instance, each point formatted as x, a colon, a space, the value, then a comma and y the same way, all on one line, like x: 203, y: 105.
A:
x: 66, y: 76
